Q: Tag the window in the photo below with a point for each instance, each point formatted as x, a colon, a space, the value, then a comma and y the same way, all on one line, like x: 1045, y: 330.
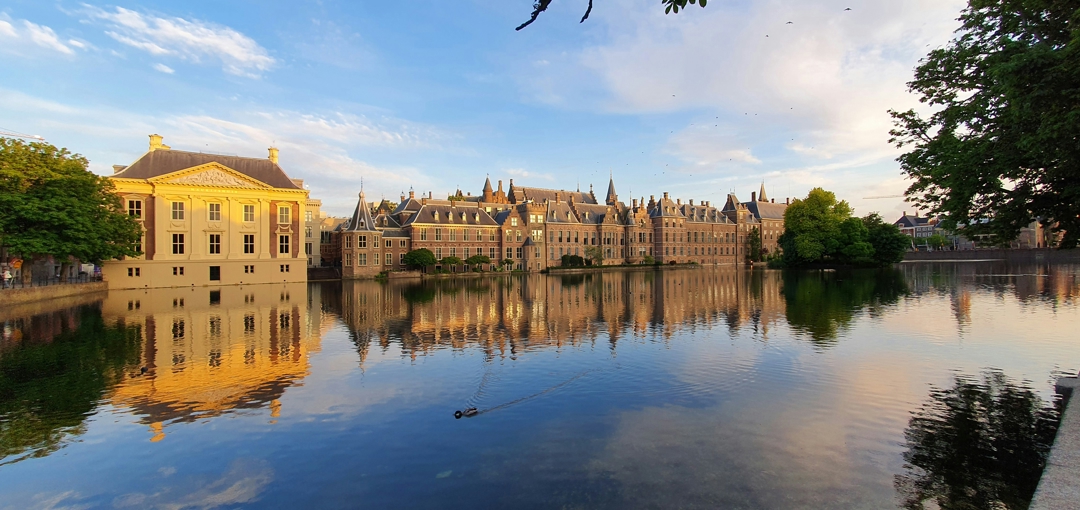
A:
x: 423, y: 234
x: 389, y: 243
x: 307, y: 248
x: 491, y: 236
x: 509, y: 252
x: 215, y: 212
x: 135, y: 208
x: 466, y: 255
x: 215, y: 274
x: 492, y: 251
x: 283, y: 245
x: 348, y: 259
x: 307, y: 217
x: 215, y: 244
x: 178, y: 244
x: 307, y: 232
x: 513, y: 222
x: 249, y: 243
x: 178, y: 271
x: 401, y: 243
x: 249, y: 213
x: 453, y: 235
x: 177, y: 210
x: 389, y: 259
x: 519, y: 236
x: 249, y: 269
x: 361, y: 242
x: 438, y: 253
x: 133, y: 271
x: 438, y: 234
x: 453, y: 252
x: 284, y: 268
x: 284, y: 213
x: 361, y: 259
x: 519, y: 252
x: 138, y: 245
x: 465, y: 235
x: 401, y: 259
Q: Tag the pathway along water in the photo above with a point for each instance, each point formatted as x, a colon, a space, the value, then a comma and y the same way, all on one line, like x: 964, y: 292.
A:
x: 703, y: 388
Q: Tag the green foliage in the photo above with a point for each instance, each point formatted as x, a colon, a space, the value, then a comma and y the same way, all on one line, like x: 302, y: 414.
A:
x: 50, y: 204
x: 572, y: 260
x: 978, y: 444
x: 821, y: 230
x: 937, y: 241
x: 595, y: 254
x: 476, y: 260
x: 1001, y: 144
x: 821, y: 304
x: 420, y: 258
x: 670, y: 6
x: 674, y: 5
x: 753, y: 245
x: 508, y: 262
x: 48, y: 389
x: 889, y: 243
x: 450, y: 261
x: 648, y: 260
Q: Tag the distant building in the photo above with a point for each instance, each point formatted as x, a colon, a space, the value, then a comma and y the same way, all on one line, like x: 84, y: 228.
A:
x: 916, y: 227
x: 210, y: 219
x: 535, y: 227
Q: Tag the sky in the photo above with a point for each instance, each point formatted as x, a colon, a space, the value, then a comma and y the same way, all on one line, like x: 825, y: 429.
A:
x: 435, y: 96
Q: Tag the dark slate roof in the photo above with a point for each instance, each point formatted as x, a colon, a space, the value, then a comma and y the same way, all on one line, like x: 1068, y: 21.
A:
x: 539, y: 195
x: 909, y: 221
x: 501, y: 216
x: 560, y: 213
x: 703, y: 214
x: 386, y: 221
x: 394, y: 233
x: 666, y: 207
x: 596, y: 214
x: 409, y: 204
x: 361, y: 219
x: 731, y: 204
x: 166, y: 161
x: 767, y: 210
x: 439, y: 214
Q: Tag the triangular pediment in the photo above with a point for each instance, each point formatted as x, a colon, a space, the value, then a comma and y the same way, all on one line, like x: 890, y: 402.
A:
x: 211, y: 174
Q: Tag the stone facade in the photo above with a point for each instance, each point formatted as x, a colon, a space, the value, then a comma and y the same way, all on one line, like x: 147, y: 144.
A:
x: 210, y: 219
x: 535, y: 227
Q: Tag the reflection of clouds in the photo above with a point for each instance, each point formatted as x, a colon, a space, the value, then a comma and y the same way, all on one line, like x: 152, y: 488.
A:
x: 242, y: 483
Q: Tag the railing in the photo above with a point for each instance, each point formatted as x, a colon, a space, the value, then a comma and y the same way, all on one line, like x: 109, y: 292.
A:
x: 18, y: 283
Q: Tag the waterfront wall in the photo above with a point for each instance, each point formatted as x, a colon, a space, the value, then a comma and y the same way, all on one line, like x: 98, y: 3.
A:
x: 1048, y: 255
x: 1059, y: 486
x: 11, y: 297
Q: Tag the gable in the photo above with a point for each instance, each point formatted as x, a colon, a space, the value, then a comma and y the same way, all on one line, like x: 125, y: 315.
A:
x: 210, y: 174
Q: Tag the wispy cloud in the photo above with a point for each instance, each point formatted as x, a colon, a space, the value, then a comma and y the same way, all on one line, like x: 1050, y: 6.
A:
x: 25, y: 33
x: 521, y: 172
x: 190, y: 40
x: 163, y: 68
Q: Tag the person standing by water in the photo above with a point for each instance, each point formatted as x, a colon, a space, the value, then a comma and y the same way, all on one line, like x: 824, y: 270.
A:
x: 7, y: 277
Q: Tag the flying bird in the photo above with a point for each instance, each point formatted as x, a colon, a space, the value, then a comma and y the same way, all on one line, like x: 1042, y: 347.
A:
x: 790, y: 23
x: 848, y: 9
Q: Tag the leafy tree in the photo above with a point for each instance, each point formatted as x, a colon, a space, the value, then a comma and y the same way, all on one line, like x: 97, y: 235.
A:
x: 937, y: 241
x: 420, y: 258
x: 889, y: 243
x: 648, y: 260
x: 450, y: 261
x: 476, y: 260
x: 753, y: 245
x: 670, y: 6
x: 508, y: 263
x: 978, y: 444
x: 595, y: 254
x: 572, y: 260
x: 1001, y: 142
x: 51, y: 205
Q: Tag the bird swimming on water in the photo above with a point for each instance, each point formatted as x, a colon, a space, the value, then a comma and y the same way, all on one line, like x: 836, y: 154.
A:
x: 468, y: 412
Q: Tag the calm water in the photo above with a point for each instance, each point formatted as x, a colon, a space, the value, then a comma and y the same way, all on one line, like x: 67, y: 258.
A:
x: 681, y: 389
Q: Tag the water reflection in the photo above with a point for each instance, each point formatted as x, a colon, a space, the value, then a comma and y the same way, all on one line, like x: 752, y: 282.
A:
x: 54, y: 371
x: 821, y: 304
x: 978, y: 444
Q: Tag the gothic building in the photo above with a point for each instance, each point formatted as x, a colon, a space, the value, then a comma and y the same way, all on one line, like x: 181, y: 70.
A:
x: 534, y: 228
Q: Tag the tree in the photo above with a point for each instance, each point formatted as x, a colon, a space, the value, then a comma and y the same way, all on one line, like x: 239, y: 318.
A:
x: 978, y: 444
x: 937, y: 241
x: 572, y: 260
x: 450, y: 261
x: 508, y: 262
x: 419, y: 259
x: 595, y: 254
x: 51, y: 205
x: 648, y: 260
x: 1000, y: 148
x: 889, y: 243
x: 477, y: 259
x: 753, y: 245
x: 670, y: 6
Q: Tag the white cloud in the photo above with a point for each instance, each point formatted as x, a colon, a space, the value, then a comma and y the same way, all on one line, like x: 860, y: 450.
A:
x: 190, y: 40
x: 25, y: 33
x: 163, y: 68
x: 521, y: 172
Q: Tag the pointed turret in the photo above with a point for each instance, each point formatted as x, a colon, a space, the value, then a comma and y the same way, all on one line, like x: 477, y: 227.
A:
x: 761, y: 195
x: 487, y: 185
x: 361, y: 219
x: 612, y: 198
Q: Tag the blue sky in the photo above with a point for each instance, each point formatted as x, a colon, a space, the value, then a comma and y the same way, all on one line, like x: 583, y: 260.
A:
x: 437, y: 95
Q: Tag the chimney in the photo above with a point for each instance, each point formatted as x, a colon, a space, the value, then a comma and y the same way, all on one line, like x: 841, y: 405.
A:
x: 691, y: 201
x: 412, y: 194
x: 556, y: 197
x: 678, y: 201
x: 403, y: 196
x: 273, y: 155
x: 773, y: 201
x: 511, y: 183
x: 753, y: 196
x: 905, y: 213
x: 787, y: 200
x: 118, y: 168
x: 634, y: 200
x: 665, y: 195
x: 155, y: 143
x: 430, y: 195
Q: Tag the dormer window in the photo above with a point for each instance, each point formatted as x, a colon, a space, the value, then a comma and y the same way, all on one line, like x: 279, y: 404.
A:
x: 436, y: 215
x: 476, y: 217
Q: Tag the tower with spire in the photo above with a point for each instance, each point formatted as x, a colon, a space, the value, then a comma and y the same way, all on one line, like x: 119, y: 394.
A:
x: 612, y: 198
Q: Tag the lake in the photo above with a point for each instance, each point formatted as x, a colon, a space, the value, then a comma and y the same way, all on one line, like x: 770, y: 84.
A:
x: 691, y: 388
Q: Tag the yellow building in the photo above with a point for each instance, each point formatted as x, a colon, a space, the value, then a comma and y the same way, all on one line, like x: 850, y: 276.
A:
x: 210, y: 219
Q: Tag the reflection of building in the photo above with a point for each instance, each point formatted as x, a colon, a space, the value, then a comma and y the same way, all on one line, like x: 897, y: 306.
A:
x: 535, y: 228
x: 210, y: 219
x: 537, y: 312
x: 210, y: 351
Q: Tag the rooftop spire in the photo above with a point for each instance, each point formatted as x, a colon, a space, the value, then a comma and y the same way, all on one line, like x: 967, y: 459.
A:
x: 761, y: 195
x: 611, y: 198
